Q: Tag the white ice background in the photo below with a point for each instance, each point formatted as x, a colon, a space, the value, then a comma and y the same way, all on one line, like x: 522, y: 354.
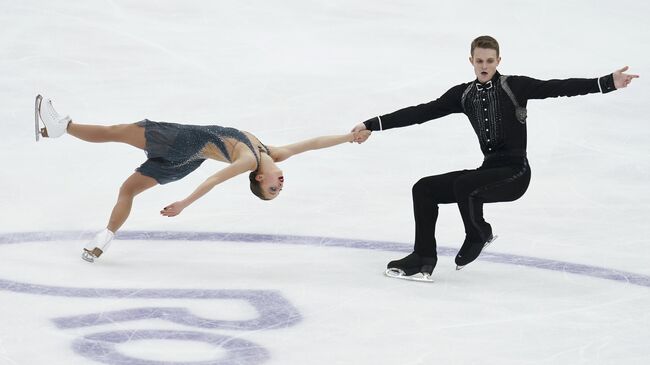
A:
x: 291, y: 70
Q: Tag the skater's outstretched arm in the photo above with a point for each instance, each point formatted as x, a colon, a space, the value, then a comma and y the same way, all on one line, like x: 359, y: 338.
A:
x: 284, y: 152
x: 530, y: 88
x: 448, y: 103
x: 237, y: 167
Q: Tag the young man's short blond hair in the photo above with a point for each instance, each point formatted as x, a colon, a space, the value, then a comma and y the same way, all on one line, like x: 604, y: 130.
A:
x: 484, y: 41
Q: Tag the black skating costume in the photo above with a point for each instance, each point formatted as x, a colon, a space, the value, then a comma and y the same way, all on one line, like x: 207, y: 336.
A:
x: 496, y: 111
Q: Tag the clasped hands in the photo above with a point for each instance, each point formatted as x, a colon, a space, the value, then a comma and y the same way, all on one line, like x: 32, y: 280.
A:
x: 361, y: 134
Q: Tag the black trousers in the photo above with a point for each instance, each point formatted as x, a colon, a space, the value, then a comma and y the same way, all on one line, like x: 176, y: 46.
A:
x: 499, y: 179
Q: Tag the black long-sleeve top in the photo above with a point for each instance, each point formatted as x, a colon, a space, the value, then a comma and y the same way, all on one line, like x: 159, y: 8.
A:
x: 490, y: 110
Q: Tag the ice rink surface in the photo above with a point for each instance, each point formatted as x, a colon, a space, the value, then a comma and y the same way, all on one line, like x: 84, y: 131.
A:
x: 236, y: 280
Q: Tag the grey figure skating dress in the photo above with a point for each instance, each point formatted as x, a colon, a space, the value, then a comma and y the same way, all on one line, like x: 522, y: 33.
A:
x: 175, y: 150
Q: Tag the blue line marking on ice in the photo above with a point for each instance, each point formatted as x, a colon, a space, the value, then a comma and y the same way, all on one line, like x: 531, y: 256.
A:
x: 532, y: 262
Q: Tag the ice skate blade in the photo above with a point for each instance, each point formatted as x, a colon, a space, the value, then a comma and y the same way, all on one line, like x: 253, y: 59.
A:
x: 490, y: 241
x: 399, y: 274
x: 37, y: 107
x: 87, y: 256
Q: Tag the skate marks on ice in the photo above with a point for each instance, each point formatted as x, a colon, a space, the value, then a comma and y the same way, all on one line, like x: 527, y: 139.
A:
x: 274, y: 312
x: 272, y: 309
x: 498, y: 258
x: 105, y: 333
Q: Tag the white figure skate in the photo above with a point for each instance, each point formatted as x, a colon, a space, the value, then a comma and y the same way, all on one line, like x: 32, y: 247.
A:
x: 54, y: 125
x: 97, y: 246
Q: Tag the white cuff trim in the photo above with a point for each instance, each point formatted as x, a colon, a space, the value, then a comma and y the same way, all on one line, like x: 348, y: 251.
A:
x: 599, y: 87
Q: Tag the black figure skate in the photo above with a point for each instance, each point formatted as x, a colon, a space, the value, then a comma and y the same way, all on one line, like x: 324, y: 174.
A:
x: 470, y: 251
x: 412, y: 267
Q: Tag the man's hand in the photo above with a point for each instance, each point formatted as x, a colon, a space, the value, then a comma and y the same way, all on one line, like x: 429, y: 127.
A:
x: 621, y: 79
x: 173, y: 209
x: 361, y: 134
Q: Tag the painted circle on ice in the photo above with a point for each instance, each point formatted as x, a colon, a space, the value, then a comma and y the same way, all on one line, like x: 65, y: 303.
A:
x: 500, y: 258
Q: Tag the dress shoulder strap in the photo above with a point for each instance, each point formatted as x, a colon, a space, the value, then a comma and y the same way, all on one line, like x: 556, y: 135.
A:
x: 257, y: 152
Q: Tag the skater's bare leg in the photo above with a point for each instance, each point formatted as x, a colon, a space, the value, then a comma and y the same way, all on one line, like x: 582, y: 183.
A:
x: 132, y: 134
x: 133, y: 186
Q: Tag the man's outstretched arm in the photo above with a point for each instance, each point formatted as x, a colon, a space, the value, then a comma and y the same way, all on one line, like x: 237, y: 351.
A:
x: 530, y: 88
x: 447, y: 104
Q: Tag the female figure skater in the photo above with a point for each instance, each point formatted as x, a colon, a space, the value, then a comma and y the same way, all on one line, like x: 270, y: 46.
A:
x: 175, y: 150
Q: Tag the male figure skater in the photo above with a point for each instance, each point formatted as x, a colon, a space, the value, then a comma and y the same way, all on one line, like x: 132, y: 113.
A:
x: 496, y: 107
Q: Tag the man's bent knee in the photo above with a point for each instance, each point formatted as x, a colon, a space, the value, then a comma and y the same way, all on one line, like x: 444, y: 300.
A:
x: 420, y: 188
